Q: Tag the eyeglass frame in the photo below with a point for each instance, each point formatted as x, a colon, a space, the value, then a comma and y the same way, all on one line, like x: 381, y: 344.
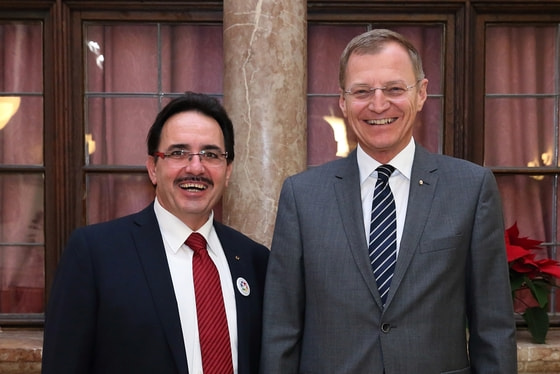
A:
x: 186, y: 155
x: 371, y: 91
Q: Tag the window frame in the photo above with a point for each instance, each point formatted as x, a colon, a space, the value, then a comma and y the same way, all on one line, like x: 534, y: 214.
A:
x: 514, y: 15
x: 44, y: 13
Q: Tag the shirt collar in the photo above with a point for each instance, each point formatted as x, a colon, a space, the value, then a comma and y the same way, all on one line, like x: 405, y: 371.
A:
x: 402, y: 161
x: 174, y: 231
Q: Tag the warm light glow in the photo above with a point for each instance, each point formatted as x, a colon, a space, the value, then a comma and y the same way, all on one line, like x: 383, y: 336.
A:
x: 90, y: 144
x: 9, y: 105
x: 546, y: 160
x: 339, y: 129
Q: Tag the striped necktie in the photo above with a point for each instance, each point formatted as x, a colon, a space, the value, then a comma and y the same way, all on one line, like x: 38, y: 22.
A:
x: 211, y: 314
x: 383, y: 232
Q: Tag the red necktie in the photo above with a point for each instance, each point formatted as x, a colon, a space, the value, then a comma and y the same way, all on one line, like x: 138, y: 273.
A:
x: 212, y: 322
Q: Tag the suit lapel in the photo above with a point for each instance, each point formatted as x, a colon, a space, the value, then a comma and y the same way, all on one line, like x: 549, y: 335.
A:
x: 347, y: 192
x: 151, y: 251
x: 423, y: 183
x: 239, y: 267
x: 237, y: 270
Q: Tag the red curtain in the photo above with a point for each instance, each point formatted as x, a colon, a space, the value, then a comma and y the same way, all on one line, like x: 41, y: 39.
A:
x: 21, y: 194
x: 520, y: 120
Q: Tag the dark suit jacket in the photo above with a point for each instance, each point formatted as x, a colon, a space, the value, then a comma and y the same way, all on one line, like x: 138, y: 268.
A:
x: 112, y: 308
x: 322, y: 310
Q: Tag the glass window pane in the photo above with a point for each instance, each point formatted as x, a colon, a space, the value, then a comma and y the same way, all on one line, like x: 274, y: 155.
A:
x: 21, y: 208
x: 21, y: 243
x: 22, y: 279
x: 519, y: 131
x: 328, y: 136
x: 21, y: 85
x: 520, y: 59
x: 22, y: 234
x: 428, y: 40
x: 122, y: 58
x: 519, y: 192
x: 21, y: 137
x: 115, y: 195
x: 21, y: 57
x: 521, y: 125
x: 154, y: 58
x: 192, y: 58
x: 325, y: 44
x: 428, y: 126
x: 116, y: 130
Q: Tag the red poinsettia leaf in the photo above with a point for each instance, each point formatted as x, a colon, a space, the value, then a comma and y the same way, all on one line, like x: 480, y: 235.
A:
x: 515, y: 252
x: 512, y: 238
x: 549, y: 267
x: 526, y: 243
x: 512, y: 232
x: 529, y: 270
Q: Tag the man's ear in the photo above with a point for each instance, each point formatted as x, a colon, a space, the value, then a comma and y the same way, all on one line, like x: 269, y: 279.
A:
x: 151, y: 167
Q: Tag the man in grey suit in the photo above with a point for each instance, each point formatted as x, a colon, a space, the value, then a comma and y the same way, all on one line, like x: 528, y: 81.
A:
x: 448, y: 307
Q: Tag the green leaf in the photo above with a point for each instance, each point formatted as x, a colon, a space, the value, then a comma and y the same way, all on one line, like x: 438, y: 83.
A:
x: 540, y: 291
x: 516, y: 280
x: 537, y: 322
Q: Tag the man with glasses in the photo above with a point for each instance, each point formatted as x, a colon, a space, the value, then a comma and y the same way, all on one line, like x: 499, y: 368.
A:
x: 392, y: 260
x: 168, y: 289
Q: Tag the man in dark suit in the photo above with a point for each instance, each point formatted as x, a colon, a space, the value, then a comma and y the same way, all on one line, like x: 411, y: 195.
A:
x: 124, y: 300
x: 445, y: 305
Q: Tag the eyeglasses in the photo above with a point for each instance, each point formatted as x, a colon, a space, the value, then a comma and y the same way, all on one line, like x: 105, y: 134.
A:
x: 364, y: 92
x: 207, y: 158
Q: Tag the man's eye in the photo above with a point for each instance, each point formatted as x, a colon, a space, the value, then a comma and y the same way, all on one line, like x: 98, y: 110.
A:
x: 177, y: 154
x: 209, y: 154
x: 360, y: 92
x: 395, y: 90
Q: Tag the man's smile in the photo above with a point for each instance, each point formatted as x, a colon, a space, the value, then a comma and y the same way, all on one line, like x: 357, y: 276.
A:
x: 384, y: 121
x: 194, y: 183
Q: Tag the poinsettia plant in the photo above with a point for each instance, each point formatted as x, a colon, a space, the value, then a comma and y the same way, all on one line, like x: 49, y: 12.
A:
x: 532, y: 276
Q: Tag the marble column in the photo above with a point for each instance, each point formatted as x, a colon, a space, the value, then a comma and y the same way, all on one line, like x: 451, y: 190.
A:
x: 265, y: 84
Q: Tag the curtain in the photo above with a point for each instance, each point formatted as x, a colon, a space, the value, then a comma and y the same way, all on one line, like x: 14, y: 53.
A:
x: 21, y: 194
x: 520, y: 118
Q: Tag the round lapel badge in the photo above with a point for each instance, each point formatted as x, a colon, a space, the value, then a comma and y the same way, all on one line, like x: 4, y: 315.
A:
x: 243, y: 286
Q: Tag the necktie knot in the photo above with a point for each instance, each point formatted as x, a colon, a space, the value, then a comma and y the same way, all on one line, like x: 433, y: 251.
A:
x: 196, y: 242
x: 384, y: 172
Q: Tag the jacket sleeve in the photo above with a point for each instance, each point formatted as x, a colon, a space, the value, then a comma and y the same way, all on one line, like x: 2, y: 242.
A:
x: 492, y: 342
x: 70, y: 316
x: 284, y: 291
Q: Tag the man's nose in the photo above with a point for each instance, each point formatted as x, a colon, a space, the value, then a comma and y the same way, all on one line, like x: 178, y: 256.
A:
x: 377, y: 101
x: 194, y: 162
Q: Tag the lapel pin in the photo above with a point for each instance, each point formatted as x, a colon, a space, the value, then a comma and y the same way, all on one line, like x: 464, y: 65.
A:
x: 243, y: 286
x: 420, y: 182
x: 237, y: 258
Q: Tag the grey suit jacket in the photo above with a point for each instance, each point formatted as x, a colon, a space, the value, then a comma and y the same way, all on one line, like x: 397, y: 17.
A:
x: 322, y: 311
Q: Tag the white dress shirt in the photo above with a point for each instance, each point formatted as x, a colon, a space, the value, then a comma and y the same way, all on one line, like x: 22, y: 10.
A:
x: 179, y: 258
x: 399, y: 182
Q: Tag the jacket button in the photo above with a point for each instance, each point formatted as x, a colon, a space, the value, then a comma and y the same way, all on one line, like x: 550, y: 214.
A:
x: 386, y: 327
